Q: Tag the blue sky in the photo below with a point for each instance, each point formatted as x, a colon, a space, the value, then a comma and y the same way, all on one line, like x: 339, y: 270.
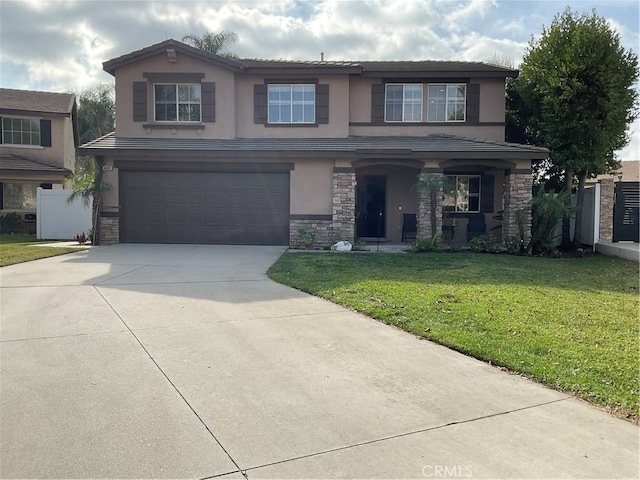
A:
x: 60, y: 45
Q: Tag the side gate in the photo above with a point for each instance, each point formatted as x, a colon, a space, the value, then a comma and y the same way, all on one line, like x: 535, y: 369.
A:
x: 626, y: 212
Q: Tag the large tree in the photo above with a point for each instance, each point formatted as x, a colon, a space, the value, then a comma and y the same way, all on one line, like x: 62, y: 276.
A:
x: 575, y: 95
x: 96, y: 117
x: 215, y: 43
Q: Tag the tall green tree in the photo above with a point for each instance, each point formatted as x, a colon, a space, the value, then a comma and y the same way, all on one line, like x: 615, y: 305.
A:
x: 96, y: 117
x: 575, y: 95
x: 215, y: 43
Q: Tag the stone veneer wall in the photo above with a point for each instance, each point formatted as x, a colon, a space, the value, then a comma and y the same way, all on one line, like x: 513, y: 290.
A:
x: 109, y: 230
x: 517, y: 196
x: 425, y: 229
x: 607, y: 200
x: 344, y: 204
x: 322, y: 231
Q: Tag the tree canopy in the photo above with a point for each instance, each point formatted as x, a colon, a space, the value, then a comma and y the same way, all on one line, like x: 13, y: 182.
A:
x: 575, y: 95
x: 96, y: 112
x: 215, y: 43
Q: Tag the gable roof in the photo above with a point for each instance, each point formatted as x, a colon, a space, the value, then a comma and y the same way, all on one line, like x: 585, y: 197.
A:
x: 405, y: 68
x: 17, y: 101
x: 110, y: 66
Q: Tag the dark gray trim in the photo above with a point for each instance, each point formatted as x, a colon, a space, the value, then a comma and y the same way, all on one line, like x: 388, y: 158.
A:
x: 395, y: 162
x: 344, y: 170
x: 110, y: 214
x: 424, y: 124
x: 175, y: 126
x: 521, y: 171
x: 179, y: 77
x: 186, y: 166
x: 473, y: 104
x: 377, y: 104
x: 208, y: 101
x: 435, y: 76
x: 139, y: 101
x: 260, y: 115
x: 31, y: 113
x: 457, y: 162
x: 295, y: 216
x: 45, y: 133
x: 303, y: 70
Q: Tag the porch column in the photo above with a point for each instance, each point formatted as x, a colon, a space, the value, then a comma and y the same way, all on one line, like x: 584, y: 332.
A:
x: 344, y: 204
x: 518, y: 186
x: 430, y: 191
x: 607, y: 200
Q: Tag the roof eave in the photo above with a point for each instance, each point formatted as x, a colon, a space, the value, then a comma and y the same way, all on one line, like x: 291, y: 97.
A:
x: 439, y: 74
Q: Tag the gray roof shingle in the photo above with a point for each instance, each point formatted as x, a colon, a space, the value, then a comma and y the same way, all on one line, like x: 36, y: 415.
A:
x: 11, y: 162
x: 40, y: 102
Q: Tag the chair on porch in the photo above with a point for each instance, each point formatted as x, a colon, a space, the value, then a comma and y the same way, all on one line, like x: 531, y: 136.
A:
x: 409, y: 226
x: 476, y: 226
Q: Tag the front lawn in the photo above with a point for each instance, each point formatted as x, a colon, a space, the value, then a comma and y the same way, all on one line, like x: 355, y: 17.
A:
x: 21, y: 248
x: 571, y: 324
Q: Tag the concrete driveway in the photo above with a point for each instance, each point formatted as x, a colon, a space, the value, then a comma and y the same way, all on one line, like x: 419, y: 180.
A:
x: 156, y: 361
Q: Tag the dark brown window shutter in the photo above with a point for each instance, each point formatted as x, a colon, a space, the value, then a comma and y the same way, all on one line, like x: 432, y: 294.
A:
x: 473, y: 103
x: 377, y: 103
x: 1, y: 196
x: 208, y: 90
x: 260, y: 103
x: 322, y: 103
x: 139, y: 101
x: 486, y: 193
x: 45, y: 133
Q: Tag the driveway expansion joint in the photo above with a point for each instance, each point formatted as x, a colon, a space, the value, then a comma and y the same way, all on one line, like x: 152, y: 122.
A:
x: 170, y: 382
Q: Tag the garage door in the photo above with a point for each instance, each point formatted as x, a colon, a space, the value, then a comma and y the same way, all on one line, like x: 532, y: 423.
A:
x: 204, y: 207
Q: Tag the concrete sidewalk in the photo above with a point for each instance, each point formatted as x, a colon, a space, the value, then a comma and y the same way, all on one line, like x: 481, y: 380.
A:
x: 157, y: 361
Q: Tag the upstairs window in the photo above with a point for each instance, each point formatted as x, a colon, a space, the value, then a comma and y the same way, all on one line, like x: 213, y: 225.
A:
x: 292, y: 103
x: 177, y: 103
x: 403, y: 103
x: 447, y: 102
x: 462, y: 193
x: 20, y: 131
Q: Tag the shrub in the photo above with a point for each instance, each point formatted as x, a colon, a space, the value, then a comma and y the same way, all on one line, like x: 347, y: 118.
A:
x: 484, y: 244
x: 11, y: 223
x: 514, y: 244
x: 429, y: 245
x: 546, y: 212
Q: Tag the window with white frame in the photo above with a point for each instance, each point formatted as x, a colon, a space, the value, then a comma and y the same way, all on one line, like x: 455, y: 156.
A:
x: 462, y: 193
x: 177, y: 102
x: 20, y: 131
x: 403, y: 102
x: 292, y: 103
x: 19, y: 196
x: 447, y: 102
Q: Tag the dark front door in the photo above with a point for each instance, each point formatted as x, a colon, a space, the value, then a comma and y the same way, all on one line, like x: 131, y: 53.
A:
x: 371, y: 199
x: 204, y: 207
x: 626, y: 226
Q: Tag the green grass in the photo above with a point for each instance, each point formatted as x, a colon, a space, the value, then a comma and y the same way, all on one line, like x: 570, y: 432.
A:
x: 572, y: 323
x: 21, y: 248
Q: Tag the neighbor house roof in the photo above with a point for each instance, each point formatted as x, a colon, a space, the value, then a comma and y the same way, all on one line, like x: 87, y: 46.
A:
x: 407, y: 68
x: 18, y: 163
x: 436, y: 146
x: 18, y: 101
x: 629, y: 171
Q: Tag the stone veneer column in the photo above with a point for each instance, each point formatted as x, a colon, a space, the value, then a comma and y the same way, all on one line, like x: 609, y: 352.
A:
x: 425, y: 229
x: 607, y: 200
x: 518, y: 186
x: 344, y: 204
x: 109, y: 228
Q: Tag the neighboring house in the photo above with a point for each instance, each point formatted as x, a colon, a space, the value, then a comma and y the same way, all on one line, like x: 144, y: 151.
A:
x: 215, y: 150
x: 38, y: 140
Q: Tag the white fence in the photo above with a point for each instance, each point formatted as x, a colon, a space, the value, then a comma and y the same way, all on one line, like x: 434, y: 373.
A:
x: 590, y: 212
x: 58, y: 220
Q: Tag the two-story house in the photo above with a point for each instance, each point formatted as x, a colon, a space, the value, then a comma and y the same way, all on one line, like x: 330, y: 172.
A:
x: 215, y: 150
x: 38, y: 140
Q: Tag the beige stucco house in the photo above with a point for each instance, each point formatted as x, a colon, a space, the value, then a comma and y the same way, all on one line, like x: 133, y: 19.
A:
x: 216, y: 150
x: 38, y: 140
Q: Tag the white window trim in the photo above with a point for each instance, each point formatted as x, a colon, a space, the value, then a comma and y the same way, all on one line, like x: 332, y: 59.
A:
x: 446, y: 102
x: 171, y: 122
x: 403, y: 102
x: 291, y: 85
x: 455, y: 189
x: 20, y: 145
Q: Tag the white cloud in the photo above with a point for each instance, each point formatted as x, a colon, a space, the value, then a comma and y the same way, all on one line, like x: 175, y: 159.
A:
x: 632, y: 151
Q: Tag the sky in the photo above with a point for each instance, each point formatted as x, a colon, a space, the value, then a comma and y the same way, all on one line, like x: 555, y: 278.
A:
x: 60, y: 45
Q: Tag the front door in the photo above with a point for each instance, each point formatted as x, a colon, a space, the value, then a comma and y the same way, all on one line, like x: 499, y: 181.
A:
x: 370, y: 202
